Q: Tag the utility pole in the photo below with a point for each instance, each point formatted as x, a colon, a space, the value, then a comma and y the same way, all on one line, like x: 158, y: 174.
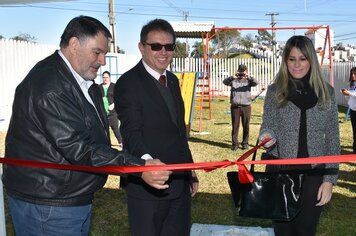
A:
x: 273, y: 23
x: 185, y: 18
x: 113, y: 47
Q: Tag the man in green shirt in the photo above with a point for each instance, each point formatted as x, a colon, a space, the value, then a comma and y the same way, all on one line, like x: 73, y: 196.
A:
x: 107, y: 92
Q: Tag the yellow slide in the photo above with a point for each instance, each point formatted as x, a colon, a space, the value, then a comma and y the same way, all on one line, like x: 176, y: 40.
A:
x: 187, y: 83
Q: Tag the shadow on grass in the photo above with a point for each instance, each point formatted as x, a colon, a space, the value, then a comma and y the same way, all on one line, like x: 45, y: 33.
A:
x: 351, y: 164
x: 256, y: 116
x: 346, y: 149
x: 349, y: 177
x: 221, y: 123
x: 255, y: 123
x: 209, y: 142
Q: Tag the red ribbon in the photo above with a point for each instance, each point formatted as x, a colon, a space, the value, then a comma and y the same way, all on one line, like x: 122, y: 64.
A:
x: 244, y: 175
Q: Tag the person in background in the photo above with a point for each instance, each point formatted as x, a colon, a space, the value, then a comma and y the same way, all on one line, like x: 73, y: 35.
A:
x: 301, y: 118
x: 240, y: 100
x: 350, y: 94
x: 151, y: 110
x: 107, y: 92
x: 58, y: 117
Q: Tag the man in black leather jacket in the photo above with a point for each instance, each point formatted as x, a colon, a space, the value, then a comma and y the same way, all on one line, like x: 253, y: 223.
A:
x: 58, y: 117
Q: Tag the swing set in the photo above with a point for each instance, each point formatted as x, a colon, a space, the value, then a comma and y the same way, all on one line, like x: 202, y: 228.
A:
x: 217, y: 30
x: 210, y: 31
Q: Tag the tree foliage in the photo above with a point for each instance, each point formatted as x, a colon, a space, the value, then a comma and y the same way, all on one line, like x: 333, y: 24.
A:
x: 181, y: 50
x: 224, y: 40
x: 119, y: 50
x: 197, y: 51
x: 264, y: 38
x: 247, y: 41
x: 25, y: 37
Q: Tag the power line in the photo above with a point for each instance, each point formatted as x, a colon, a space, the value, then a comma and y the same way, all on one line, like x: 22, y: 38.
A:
x: 342, y: 35
x: 345, y: 38
x: 195, y: 16
x: 65, y: 9
x: 239, y: 10
x: 185, y: 13
x: 191, y: 16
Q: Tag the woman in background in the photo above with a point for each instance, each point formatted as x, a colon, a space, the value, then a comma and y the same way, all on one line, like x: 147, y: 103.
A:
x: 350, y: 94
x: 301, y: 117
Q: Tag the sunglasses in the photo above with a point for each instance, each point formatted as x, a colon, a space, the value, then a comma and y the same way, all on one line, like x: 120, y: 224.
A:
x: 158, y: 47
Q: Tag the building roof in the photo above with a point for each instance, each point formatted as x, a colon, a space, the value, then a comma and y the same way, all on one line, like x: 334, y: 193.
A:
x: 192, y: 29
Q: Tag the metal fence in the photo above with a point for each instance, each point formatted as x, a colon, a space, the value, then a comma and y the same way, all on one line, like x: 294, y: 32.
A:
x: 220, y: 68
x: 341, y: 72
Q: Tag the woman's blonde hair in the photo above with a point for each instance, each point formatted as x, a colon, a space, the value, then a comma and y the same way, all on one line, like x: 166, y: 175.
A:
x: 306, y: 47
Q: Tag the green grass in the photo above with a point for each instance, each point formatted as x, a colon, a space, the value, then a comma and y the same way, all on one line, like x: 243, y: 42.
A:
x: 213, y: 203
x: 240, y: 55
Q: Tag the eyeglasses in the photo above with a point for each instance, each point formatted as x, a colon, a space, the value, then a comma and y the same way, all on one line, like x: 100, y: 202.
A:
x: 158, y: 47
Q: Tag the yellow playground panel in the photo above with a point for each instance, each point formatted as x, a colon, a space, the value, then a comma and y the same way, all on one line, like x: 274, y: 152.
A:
x: 180, y: 78
x: 187, y: 82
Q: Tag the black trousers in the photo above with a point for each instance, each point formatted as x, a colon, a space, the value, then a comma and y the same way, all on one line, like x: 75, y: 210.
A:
x: 353, y: 123
x: 114, y: 125
x: 306, y: 221
x: 160, y: 217
x: 243, y: 113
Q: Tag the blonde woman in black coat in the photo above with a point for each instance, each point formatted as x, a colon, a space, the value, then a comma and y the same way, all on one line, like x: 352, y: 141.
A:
x: 301, y: 117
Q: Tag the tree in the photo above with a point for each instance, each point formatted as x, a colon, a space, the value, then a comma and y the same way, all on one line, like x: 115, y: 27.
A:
x: 25, y: 37
x: 225, y: 40
x: 247, y: 41
x: 119, y: 50
x: 1, y: 37
x: 264, y: 38
x: 181, y: 50
x: 197, y: 51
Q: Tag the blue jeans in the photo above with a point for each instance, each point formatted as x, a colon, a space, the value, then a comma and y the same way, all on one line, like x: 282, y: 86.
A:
x: 41, y: 220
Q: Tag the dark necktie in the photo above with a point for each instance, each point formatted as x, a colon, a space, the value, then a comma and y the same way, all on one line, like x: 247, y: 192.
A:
x: 162, y: 80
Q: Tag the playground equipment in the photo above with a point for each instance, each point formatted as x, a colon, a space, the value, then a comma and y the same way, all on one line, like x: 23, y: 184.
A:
x: 327, y: 42
x: 207, y: 30
x: 188, y: 85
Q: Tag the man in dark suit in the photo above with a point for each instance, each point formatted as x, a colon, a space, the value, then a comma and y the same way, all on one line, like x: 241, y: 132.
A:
x: 151, y: 110
x: 107, y: 92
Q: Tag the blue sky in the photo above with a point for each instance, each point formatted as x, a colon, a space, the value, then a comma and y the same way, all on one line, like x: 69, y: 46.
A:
x: 46, y: 21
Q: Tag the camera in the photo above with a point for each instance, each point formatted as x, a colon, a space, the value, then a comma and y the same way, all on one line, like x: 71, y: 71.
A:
x: 240, y: 75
